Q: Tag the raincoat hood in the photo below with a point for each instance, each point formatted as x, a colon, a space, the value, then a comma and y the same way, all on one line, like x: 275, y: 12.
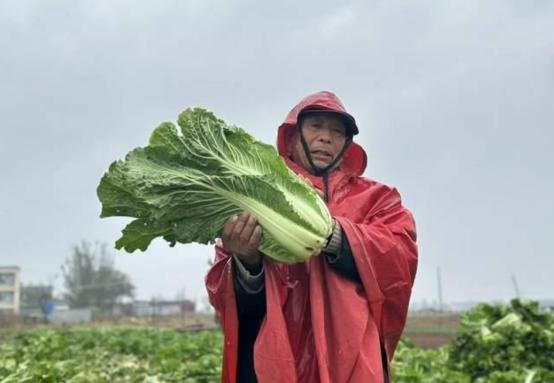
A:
x: 354, y: 161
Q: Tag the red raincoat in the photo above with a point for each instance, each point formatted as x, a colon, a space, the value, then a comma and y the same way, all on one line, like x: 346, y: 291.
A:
x: 320, y: 326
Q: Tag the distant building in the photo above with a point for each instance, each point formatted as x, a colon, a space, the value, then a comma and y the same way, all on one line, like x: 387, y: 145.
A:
x: 155, y: 308
x: 9, y: 289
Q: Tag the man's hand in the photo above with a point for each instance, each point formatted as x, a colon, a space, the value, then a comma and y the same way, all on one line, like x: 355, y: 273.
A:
x: 241, y: 237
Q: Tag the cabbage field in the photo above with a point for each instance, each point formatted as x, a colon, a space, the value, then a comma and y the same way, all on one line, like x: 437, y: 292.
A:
x: 496, y: 344
x: 110, y: 355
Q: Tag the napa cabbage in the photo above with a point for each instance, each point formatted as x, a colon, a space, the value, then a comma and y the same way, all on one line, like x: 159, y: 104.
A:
x: 188, y: 181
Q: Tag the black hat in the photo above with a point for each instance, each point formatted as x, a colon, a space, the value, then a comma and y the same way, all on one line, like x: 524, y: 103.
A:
x: 349, y: 121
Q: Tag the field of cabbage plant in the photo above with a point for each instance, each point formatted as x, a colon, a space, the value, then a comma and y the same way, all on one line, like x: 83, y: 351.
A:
x: 110, y: 355
x: 496, y: 344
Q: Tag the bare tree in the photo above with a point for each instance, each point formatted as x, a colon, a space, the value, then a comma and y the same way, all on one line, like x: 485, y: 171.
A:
x: 91, y: 279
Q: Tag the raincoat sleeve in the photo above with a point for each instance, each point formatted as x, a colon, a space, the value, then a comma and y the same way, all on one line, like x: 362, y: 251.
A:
x: 236, y: 310
x: 384, y: 249
x: 221, y: 293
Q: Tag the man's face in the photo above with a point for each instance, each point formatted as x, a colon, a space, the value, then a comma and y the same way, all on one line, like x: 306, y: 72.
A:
x: 325, y: 135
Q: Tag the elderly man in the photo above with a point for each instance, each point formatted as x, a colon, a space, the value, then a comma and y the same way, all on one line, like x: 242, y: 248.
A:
x: 337, y: 317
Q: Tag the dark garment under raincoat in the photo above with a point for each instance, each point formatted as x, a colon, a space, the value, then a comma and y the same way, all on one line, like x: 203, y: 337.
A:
x: 320, y: 326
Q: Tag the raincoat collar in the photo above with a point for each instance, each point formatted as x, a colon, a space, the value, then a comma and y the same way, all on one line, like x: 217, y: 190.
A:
x: 336, y: 178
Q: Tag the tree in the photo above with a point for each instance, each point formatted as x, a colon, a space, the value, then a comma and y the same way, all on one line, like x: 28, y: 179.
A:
x: 90, y: 278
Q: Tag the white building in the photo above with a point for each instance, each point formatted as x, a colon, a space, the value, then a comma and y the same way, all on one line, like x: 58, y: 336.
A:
x: 9, y: 289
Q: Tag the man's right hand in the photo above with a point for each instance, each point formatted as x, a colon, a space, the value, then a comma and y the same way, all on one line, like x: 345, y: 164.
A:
x: 241, y: 237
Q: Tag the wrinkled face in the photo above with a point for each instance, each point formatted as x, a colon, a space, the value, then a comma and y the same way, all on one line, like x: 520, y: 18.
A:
x: 325, y: 135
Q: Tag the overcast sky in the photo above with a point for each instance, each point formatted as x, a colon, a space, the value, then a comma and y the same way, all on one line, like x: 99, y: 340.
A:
x: 454, y: 100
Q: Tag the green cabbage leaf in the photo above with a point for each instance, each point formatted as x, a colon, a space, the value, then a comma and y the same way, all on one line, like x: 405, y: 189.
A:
x: 190, y: 180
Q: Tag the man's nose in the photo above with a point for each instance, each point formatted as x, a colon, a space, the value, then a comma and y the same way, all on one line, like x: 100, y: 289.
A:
x: 325, y: 134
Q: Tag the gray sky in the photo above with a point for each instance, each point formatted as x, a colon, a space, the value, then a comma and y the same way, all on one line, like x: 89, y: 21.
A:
x: 454, y: 100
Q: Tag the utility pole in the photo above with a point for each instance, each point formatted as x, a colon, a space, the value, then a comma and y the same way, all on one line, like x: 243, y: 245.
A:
x: 516, y: 288
x: 439, y: 285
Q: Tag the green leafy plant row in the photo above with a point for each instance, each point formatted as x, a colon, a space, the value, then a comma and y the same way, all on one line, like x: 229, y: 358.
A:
x: 110, y: 355
x: 496, y: 344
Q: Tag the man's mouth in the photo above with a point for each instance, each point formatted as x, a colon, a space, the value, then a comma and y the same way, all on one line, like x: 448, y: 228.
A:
x: 321, y: 154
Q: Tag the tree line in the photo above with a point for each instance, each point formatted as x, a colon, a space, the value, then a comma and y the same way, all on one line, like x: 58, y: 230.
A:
x: 90, y: 279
